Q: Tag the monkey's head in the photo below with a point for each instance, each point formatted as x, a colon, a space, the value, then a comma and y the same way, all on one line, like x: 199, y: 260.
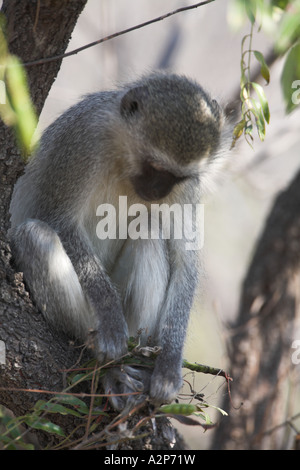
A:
x: 175, y: 126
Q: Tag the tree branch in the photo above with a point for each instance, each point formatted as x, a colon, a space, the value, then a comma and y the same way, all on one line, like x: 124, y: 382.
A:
x: 115, y: 35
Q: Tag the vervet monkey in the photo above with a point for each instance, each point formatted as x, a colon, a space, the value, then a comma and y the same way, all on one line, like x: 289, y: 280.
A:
x: 153, y: 141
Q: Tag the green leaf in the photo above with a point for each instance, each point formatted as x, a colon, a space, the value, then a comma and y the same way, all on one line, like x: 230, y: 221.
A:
x: 263, y: 100
x: 73, y: 401
x: 80, y: 377
x: 50, y: 407
x: 250, y: 7
x: 290, y: 79
x: 179, y: 409
x: 44, y: 425
x: 238, y: 129
x: 15, y: 444
x: 282, y: 4
x: 237, y: 132
x: 249, y: 129
x: 289, y: 29
x: 264, y: 70
x: 80, y: 405
x: 260, y: 122
x: 19, y: 98
x: 219, y: 409
x: 205, y: 416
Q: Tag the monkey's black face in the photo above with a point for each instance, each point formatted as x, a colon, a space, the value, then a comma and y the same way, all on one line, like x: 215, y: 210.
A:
x: 154, y: 183
x: 175, y: 116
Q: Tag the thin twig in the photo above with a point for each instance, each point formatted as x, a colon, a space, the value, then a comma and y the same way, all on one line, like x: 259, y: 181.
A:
x: 93, y: 391
x: 115, y: 35
x: 80, y: 394
x: 205, y: 369
x: 37, y: 14
x: 102, y: 434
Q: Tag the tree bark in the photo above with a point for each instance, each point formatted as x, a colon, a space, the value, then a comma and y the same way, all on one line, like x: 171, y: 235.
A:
x: 40, y: 29
x: 260, y: 351
x: 36, y: 357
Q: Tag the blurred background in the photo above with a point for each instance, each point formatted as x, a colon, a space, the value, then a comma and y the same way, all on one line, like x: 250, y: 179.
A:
x: 204, y: 44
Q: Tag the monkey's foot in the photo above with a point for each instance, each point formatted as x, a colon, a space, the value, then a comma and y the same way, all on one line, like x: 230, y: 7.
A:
x: 165, y: 384
x: 126, y: 386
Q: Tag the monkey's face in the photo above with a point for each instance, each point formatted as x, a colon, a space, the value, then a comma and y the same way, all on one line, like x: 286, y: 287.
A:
x: 174, y: 127
x: 154, y: 182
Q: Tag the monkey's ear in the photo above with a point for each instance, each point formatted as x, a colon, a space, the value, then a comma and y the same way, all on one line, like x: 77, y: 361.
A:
x: 132, y: 101
x: 216, y: 110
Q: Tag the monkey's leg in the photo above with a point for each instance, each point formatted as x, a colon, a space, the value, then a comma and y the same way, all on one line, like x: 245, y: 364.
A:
x: 72, y: 293
x: 166, y: 380
x: 142, y: 275
x: 50, y: 277
x: 157, y: 279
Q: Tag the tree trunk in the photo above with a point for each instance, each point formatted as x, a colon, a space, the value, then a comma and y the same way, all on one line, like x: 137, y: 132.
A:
x: 260, y: 351
x: 36, y: 357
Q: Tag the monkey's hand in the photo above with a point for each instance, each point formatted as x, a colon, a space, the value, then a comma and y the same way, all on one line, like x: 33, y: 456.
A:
x: 166, y: 380
x: 110, y: 340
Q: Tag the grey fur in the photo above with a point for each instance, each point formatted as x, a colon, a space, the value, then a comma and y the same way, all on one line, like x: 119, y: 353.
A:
x: 157, y: 136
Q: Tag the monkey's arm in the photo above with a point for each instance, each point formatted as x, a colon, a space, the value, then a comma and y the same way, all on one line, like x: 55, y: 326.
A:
x: 110, y: 328
x: 167, y: 377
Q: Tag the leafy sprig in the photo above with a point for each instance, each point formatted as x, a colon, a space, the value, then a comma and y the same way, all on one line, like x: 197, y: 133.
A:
x: 16, y: 108
x: 254, y: 105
